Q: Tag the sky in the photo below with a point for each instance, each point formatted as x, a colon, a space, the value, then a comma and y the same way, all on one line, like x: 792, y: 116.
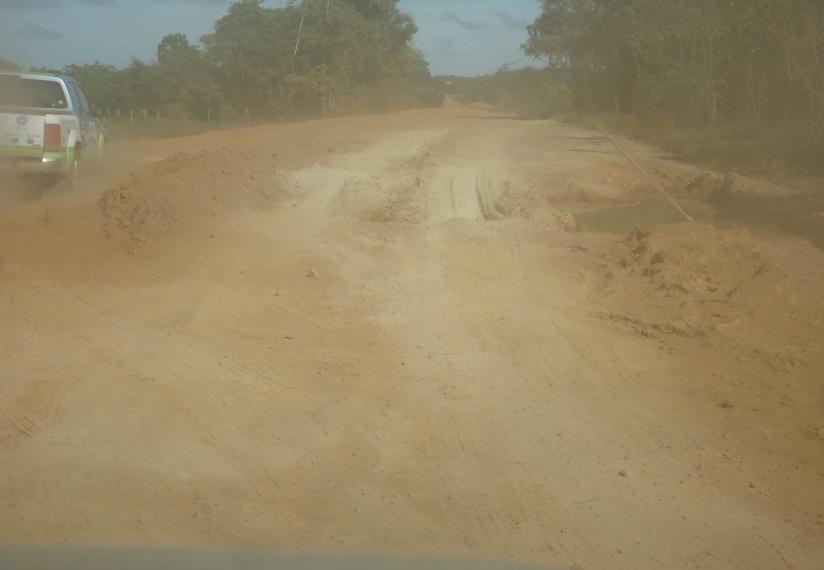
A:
x: 462, y: 37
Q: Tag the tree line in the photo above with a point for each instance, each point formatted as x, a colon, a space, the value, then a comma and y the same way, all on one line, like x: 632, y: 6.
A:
x: 752, y: 62
x: 307, y: 58
x: 734, y: 82
x: 530, y: 92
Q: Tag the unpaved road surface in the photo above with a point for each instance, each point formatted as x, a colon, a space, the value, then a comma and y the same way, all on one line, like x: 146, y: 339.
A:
x: 383, y: 334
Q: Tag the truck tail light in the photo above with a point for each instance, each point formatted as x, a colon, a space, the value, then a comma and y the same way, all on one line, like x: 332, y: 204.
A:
x: 51, y: 138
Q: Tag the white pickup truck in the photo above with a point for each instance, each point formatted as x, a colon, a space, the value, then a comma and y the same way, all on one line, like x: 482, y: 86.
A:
x: 46, y: 125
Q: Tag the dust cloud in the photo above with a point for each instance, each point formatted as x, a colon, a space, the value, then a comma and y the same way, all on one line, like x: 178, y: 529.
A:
x: 20, y: 191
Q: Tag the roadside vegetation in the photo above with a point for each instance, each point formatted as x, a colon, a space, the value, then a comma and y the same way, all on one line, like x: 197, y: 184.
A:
x: 738, y: 83
x: 309, y: 58
x: 530, y: 92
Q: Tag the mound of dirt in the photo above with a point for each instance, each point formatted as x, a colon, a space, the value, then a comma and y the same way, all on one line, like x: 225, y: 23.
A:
x: 710, y: 183
x: 500, y: 200
x: 185, y: 190
x: 405, y: 204
x: 696, y: 280
x: 369, y: 200
x: 357, y: 195
x: 696, y: 262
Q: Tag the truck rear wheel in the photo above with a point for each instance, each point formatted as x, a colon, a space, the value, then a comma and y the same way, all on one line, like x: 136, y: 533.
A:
x: 70, y: 179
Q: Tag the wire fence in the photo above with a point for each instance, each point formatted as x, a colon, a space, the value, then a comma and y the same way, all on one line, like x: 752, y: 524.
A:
x: 145, y: 115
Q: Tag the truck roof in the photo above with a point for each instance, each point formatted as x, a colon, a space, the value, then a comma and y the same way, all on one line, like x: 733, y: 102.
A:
x: 39, y: 75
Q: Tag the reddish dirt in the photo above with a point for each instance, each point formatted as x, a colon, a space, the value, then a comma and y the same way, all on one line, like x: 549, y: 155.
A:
x: 383, y: 334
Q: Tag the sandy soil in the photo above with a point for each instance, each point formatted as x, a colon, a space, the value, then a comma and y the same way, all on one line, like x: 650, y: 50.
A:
x: 383, y: 334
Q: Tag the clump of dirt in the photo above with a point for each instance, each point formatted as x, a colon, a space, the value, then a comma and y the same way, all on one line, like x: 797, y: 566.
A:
x: 500, y: 200
x: 557, y: 220
x: 187, y: 189
x: 369, y: 200
x: 405, y: 204
x: 695, y: 280
x: 357, y: 195
x: 696, y: 262
x: 710, y: 183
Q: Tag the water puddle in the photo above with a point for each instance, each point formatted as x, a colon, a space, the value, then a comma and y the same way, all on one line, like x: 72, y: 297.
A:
x: 624, y: 219
x: 796, y: 215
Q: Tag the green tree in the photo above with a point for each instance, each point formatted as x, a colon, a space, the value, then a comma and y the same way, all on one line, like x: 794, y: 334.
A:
x: 307, y: 58
x: 250, y: 49
x: 315, y: 56
x: 104, y: 85
x: 186, y: 80
x: 707, y: 60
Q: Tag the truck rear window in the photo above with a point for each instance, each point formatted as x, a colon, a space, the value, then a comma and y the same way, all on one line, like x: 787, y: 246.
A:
x: 19, y: 92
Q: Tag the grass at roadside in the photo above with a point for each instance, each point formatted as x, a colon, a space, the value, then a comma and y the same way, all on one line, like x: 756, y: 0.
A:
x: 771, y: 155
x: 778, y: 154
x: 124, y: 129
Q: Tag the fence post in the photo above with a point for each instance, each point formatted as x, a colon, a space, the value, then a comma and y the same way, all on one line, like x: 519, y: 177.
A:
x: 247, y: 114
x: 158, y: 115
x: 145, y: 115
x: 131, y: 115
x: 209, y: 114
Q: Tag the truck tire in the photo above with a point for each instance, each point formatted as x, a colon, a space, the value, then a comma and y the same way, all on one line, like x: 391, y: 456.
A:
x: 69, y: 180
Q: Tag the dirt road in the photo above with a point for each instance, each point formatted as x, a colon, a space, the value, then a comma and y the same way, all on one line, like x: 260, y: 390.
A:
x: 384, y: 334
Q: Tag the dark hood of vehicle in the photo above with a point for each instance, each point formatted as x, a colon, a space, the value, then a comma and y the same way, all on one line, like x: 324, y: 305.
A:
x: 52, y: 558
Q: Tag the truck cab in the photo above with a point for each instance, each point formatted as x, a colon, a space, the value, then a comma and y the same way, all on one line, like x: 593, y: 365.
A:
x: 46, y: 124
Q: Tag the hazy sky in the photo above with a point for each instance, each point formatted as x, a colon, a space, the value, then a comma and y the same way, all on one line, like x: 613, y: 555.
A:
x: 458, y: 36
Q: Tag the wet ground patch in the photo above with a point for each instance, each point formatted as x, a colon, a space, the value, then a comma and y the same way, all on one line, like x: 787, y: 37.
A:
x: 798, y: 214
x: 625, y: 218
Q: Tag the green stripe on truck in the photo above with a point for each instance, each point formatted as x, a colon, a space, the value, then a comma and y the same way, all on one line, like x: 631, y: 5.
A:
x: 21, y: 152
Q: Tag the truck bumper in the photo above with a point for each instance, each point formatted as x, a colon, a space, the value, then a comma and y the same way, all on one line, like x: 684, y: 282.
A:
x: 44, y: 165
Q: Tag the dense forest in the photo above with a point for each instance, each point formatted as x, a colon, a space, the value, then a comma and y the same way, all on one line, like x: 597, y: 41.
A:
x: 750, y: 70
x: 308, y: 58
x: 706, y: 60
x: 530, y: 92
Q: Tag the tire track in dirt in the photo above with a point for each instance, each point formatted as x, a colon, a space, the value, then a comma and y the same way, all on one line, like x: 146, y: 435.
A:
x: 464, y: 189
x: 506, y: 330
x: 396, y: 354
